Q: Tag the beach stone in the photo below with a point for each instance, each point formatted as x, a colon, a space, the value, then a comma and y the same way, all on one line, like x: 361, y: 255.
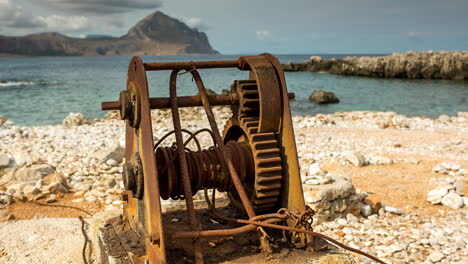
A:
x: 33, y: 173
x: 452, y: 200
x: 459, y: 185
x: 352, y: 218
x: 75, y: 119
x: 366, y: 210
x: 436, y: 256
x: 315, y: 169
x: 393, y: 210
x: 355, y: 158
x: 323, y: 97
x: 22, y: 157
x: 30, y: 192
x: 5, y: 161
x: 435, y: 196
x: 112, y: 162
x: 57, y: 187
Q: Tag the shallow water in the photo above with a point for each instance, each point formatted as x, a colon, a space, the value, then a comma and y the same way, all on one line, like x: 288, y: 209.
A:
x: 39, y: 91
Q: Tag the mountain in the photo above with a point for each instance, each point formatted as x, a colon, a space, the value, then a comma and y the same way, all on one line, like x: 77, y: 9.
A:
x: 157, y: 34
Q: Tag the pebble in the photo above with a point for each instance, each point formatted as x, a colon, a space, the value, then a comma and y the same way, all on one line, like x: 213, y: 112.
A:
x: 366, y: 210
x: 393, y: 210
x: 436, y: 256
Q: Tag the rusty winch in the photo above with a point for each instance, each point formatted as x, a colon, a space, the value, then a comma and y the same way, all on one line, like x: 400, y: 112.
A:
x: 254, y: 159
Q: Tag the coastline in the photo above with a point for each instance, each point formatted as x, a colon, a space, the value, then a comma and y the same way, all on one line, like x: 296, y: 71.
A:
x: 411, y: 65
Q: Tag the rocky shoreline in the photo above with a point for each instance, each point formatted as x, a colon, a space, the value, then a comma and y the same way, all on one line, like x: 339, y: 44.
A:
x: 411, y: 65
x: 84, y: 159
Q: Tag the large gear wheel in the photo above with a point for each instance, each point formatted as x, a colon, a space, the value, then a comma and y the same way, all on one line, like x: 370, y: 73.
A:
x: 264, y: 187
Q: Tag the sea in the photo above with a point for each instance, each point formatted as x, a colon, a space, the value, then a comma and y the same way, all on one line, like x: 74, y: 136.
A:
x: 43, y: 90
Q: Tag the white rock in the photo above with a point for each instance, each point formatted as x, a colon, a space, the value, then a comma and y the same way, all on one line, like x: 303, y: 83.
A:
x: 352, y: 218
x: 112, y: 162
x: 392, y: 210
x: 435, y: 196
x: 75, y: 119
x: 91, y: 199
x: 315, y: 169
x: 366, y: 210
x: 452, y: 200
x: 436, y: 256
x: 355, y: 158
x: 5, y: 161
x: 22, y: 157
x: 459, y: 185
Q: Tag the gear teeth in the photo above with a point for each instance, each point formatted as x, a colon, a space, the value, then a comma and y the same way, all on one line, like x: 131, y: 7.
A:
x: 266, y: 154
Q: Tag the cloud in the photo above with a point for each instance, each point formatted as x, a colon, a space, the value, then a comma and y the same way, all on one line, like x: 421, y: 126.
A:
x: 263, y: 34
x: 65, y: 23
x: 194, y: 22
x: 15, y: 16
x: 100, y: 6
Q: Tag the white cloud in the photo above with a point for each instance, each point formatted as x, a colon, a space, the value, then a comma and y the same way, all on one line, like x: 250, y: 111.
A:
x: 263, y: 34
x: 65, y: 23
x: 15, y: 16
x: 194, y: 22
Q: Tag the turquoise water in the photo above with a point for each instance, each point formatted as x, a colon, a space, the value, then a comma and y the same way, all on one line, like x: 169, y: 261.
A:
x: 39, y: 91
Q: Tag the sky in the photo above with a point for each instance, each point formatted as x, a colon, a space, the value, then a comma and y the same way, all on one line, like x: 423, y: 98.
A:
x: 254, y: 26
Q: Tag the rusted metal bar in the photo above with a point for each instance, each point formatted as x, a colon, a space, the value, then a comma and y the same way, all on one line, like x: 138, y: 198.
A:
x: 219, y: 232
x: 193, y: 221
x: 184, y: 101
x: 189, y: 65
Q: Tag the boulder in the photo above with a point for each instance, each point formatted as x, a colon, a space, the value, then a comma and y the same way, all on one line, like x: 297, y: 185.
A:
x: 75, y: 119
x: 33, y: 173
x: 323, y: 97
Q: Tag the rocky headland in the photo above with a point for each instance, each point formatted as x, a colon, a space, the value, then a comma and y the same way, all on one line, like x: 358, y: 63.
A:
x: 157, y: 34
x: 411, y: 65
x: 391, y: 185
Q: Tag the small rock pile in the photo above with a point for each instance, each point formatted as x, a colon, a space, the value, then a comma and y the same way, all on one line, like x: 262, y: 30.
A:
x: 334, y: 196
x: 450, y: 191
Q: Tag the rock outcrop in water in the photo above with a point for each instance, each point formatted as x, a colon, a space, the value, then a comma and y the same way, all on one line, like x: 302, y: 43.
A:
x: 157, y: 34
x: 412, y: 65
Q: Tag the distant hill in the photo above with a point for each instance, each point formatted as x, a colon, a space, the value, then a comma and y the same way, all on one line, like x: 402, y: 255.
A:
x: 157, y: 34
